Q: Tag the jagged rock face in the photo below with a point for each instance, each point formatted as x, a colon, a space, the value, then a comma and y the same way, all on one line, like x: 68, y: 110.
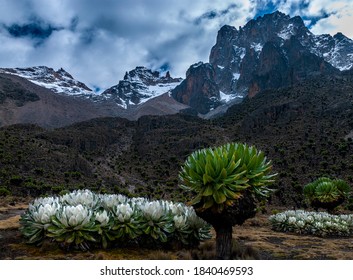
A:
x: 140, y: 85
x: 198, y: 90
x: 58, y: 81
x: 273, y: 51
x: 279, y: 67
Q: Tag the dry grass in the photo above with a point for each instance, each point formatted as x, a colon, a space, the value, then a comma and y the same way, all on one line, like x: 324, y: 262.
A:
x: 10, y: 223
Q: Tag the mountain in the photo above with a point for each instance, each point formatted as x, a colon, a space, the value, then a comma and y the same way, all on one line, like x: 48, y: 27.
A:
x: 199, y: 90
x: 140, y: 85
x: 22, y: 101
x: 58, y: 81
x: 305, y: 129
x: 42, y: 96
x: 271, y: 51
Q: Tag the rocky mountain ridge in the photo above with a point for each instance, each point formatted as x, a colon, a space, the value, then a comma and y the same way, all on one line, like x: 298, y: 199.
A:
x: 271, y: 51
x: 279, y: 42
x: 59, y: 81
x: 140, y: 85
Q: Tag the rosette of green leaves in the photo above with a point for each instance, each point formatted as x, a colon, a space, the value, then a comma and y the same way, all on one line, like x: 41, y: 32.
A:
x: 73, y: 225
x: 182, y: 230
x: 156, y: 220
x: 36, y: 220
x: 220, y: 175
x: 181, y: 227
x: 104, y: 224
x: 126, y: 222
x: 327, y: 193
x: 200, y: 230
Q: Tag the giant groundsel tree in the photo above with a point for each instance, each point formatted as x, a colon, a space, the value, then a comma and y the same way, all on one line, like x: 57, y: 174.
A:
x: 227, y: 182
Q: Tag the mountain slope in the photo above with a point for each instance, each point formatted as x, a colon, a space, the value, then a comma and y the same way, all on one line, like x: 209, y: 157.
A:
x: 305, y: 129
x: 140, y: 85
x: 41, y: 96
x: 58, y: 81
x: 24, y: 102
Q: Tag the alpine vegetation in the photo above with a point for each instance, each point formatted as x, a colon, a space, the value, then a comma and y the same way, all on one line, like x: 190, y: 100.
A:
x: 82, y: 219
x: 227, y: 182
x: 315, y: 223
x: 326, y: 193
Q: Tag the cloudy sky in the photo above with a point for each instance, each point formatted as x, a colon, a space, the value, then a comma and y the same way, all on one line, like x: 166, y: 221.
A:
x: 97, y: 41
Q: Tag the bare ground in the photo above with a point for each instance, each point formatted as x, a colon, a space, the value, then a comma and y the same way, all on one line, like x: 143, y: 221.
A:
x: 253, y: 240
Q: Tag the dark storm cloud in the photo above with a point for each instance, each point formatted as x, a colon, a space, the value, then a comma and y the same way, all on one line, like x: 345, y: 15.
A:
x: 36, y: 30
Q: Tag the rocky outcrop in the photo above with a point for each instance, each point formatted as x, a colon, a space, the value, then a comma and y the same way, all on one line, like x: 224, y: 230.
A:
x: 280, y: 67
x: 199, y: 90
x: 273, y: 51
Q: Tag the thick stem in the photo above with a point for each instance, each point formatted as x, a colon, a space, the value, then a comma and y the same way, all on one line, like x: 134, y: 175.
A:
x: 224, y: 242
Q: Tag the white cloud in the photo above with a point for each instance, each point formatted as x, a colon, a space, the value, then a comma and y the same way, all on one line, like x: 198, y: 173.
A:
x: 16, y: 50
x: 97, y: 41
x: 340, y: 18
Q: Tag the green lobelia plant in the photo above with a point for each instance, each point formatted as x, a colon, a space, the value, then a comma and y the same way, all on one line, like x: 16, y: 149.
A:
x: 227, y: 181
x: 326, y: 193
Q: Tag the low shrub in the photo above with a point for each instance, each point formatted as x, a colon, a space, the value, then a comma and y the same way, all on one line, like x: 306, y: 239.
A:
x: 326, y: 193
x: 4, y: 191
x: 83, y: 218
x: 316, y: 223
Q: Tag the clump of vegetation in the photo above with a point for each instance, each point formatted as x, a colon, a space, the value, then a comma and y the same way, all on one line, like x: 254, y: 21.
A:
x: 227, y: 182
x: 4, y: 191
x: 326, y: 193
x: 316, y: 223
x: 82, y: 219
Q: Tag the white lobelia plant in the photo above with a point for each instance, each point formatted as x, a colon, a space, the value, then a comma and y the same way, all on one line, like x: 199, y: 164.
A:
x: 104, y: 223
x: 317, y: 223
x: 82, y: 217
x: 126, y: 222
x: 74, y: 225
x: 102, y: 218
x: 83, y: 197
x: 157, y: 220
x: 109, y: 201
x: 35, y: 222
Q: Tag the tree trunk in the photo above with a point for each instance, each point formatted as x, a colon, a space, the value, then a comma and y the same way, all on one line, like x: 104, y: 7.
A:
x: 224, y: 242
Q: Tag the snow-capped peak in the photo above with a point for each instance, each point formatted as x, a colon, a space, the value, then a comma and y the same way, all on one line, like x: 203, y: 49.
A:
x: 58, y: 81
x: 140, y: 85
